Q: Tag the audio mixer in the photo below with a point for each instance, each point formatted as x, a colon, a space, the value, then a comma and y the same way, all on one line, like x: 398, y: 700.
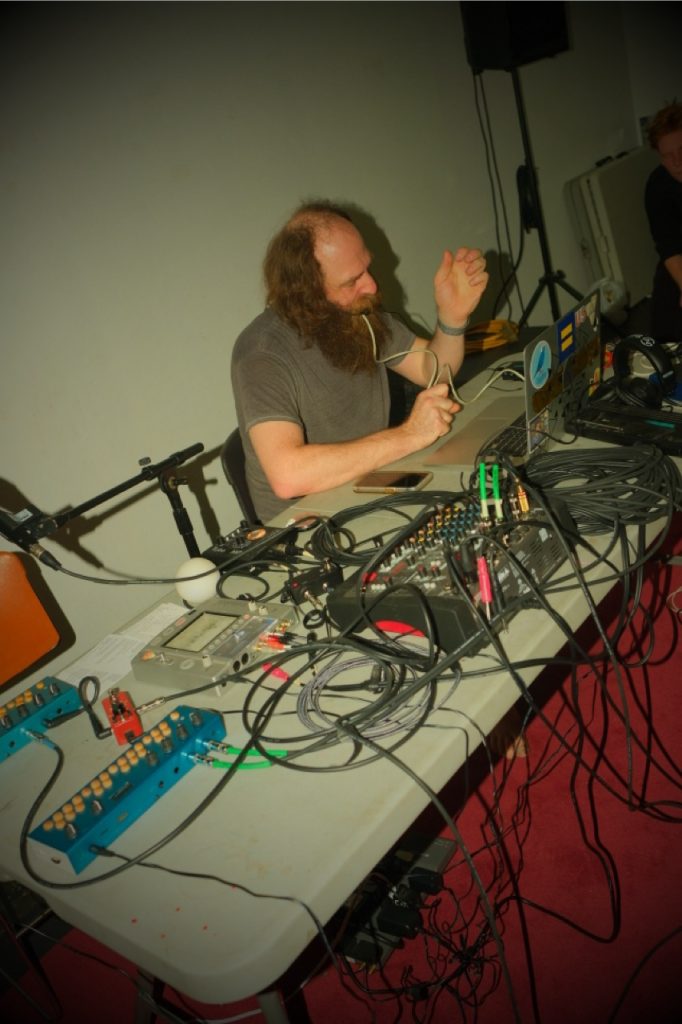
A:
x: 452, y: 567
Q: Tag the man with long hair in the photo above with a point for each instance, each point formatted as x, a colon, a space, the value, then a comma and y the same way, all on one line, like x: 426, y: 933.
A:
x: 663, y: 201
x: 308, y: 374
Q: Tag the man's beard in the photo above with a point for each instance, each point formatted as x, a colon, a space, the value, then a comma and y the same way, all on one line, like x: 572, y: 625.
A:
x: 343, y: 337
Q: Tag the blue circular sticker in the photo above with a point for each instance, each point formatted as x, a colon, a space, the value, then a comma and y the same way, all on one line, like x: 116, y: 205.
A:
x: 540, y: 364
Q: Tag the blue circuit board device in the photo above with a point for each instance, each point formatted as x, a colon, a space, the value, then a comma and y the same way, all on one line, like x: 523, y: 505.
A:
x: 32, y: 710
x: 121, y: 793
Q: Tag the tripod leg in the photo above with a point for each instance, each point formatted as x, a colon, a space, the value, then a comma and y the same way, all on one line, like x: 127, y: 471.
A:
x: 567, y: 287
x: 548, y: 281
x: 533, y: 302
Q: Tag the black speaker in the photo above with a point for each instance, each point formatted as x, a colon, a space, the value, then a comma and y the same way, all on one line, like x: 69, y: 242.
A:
x: 502, y: 36
x: 645, y: 392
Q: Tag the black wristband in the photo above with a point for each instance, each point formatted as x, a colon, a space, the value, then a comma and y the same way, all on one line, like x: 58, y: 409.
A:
x: 454, y: 332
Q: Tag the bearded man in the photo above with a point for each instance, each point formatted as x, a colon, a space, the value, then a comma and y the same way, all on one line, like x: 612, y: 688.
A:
x: 309, y: 376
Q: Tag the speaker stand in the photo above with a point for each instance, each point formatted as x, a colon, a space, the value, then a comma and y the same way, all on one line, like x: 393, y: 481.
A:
x: 549, y: 281
x: 535, y: 219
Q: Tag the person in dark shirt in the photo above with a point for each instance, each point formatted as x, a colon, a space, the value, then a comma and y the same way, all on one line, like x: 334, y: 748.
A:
x: 663, y: 202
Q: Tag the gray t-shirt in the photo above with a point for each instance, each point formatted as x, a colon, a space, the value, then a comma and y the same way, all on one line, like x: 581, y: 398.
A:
x: 276, y: 377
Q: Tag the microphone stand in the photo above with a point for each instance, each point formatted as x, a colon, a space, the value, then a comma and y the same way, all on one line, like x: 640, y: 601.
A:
x: 31, y: 525
x: 169, y: 483
x: 551, y: 277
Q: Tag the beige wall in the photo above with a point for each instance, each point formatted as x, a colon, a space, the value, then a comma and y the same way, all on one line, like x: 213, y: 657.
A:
x: 150, y: 150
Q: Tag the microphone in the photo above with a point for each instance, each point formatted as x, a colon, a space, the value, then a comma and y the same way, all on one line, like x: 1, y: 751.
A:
x: 149, y: 471
x: 26, y: 527
x: 18, y: 528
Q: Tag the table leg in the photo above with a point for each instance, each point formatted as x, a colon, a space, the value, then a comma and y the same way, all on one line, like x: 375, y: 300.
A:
x: 277, y: 1010
x: 150, y: 1006
x: 273, y: 1007
x: 146, y: 983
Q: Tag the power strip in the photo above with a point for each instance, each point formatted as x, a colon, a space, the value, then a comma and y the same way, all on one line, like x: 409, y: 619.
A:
x: 31, y: 710
x: 385, y: 909
x: 116, y: 797
x: 424, y: 863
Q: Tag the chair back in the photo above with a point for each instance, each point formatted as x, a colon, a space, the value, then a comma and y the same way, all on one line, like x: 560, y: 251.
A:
x: 234, y: 466
x: 27, y: 633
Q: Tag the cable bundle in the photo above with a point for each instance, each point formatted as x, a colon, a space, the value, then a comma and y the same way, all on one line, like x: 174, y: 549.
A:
x: 602, y: 486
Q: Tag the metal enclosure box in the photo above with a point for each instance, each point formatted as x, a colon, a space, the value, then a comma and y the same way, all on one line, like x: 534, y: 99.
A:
x: 607, y: 210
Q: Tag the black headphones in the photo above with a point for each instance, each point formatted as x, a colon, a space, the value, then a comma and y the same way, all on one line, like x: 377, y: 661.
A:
x: 646, y: 392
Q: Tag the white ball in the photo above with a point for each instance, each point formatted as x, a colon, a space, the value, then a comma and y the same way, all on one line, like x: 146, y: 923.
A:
x: 196, y: 591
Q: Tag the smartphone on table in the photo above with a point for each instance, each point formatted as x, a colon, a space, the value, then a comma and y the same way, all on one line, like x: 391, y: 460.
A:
x: 391, y: 481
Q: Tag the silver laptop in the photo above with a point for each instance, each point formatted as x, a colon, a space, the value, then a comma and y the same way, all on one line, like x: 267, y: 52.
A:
x: 560, y: 366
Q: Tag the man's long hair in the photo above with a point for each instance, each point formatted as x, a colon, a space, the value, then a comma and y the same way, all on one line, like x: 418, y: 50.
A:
x: 295, y: 291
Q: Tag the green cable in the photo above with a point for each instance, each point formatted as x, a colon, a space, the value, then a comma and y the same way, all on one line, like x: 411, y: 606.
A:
x: 496, y: 482
x: 227, y: 748
x: 246, y: 766
x: 497, y: 497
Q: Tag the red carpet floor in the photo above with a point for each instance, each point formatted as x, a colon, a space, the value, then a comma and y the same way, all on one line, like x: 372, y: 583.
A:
x: 582, y: 869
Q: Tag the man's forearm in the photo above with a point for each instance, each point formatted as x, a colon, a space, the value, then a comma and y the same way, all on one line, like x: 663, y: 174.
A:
x: 448, y: 349
x: 294, y: 466
x: 312, y: 468
x: 459, y: 282
x: 427, y: 360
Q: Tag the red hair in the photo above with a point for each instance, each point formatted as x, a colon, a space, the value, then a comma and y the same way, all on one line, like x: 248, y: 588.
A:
x: 667, y: 120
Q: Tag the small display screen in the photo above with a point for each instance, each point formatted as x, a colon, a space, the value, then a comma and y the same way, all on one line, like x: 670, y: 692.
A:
x: 200, y: 632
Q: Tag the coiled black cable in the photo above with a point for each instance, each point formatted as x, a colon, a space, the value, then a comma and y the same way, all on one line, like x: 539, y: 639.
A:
x: 637, y: 485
